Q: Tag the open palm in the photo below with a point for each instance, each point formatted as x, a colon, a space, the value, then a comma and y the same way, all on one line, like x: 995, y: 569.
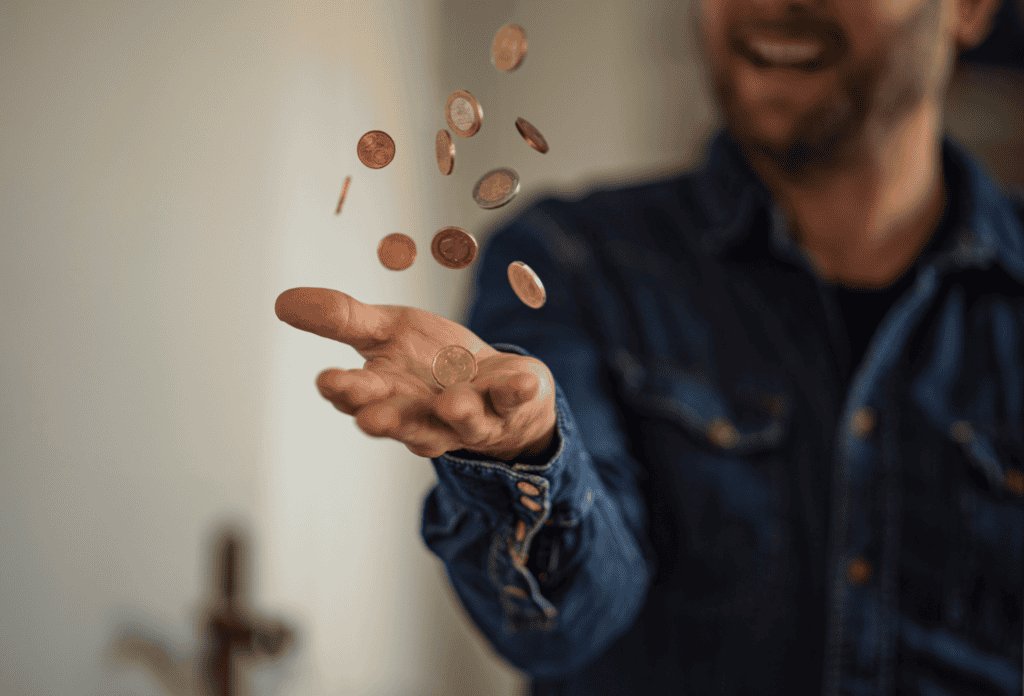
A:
x: 505, y: 411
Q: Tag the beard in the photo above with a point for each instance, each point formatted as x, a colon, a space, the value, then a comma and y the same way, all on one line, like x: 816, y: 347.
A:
x: 816, y: 140
x: 870, y: 99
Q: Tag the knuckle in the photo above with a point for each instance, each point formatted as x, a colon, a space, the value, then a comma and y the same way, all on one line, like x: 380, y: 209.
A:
x: 474, y: 433
x: 325, y: 380
x: 372, y: 422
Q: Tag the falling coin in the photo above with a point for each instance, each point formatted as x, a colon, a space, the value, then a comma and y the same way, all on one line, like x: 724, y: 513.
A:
x: 526, y: 285
x: 376, y: 149
x: 344, y: 192
x: 509, y: 48
x: 396, y: 251
x: 453, y: 248
x: 464, y: 113
x: 444, y: 148
x: 531, y: 135
x: 496, y: 188
x: 452, y: 365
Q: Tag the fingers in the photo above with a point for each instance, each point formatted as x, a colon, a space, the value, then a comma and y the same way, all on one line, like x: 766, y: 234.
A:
x: 335, y: 315
x: 350, y: 390
x: 463, y: 409
x: 384, y: 418
x: 408, y: 421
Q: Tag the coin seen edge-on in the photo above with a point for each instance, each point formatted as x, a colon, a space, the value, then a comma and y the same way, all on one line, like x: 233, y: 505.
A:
x: 527, y: 274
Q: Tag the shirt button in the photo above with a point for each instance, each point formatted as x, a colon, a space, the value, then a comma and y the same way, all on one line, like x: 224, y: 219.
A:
x: 530, y: 503
x: 863, y: 421
x: 527, y: 488
x: 961, y: 431
x: 1014, y: 482
x: 722, y: 433
x: 858, y: 571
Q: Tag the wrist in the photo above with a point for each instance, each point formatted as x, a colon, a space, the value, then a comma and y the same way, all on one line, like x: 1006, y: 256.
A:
x: 541, y: 451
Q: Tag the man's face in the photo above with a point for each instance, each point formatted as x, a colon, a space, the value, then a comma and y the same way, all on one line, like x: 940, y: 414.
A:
x: 802, y: 82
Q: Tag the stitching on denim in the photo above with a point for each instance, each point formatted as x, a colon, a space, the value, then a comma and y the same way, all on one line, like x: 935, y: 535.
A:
x: 510, y: 608
x: 518, y: 562
x: 900, y: 321
x: 771, y: 435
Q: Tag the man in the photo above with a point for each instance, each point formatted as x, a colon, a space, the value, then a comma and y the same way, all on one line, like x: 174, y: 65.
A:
x: 766, y: 434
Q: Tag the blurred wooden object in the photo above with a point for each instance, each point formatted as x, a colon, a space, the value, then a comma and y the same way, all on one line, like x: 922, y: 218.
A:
x: 231, y: 634
x: 233, y: 630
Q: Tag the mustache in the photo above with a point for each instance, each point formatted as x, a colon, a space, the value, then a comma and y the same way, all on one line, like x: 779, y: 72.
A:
x: 794, y: 26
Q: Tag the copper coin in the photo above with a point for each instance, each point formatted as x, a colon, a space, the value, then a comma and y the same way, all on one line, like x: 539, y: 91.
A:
x: 453, y: 248
x: 376, y: 149
x: 453, y: 365
x: 526, y: 285
x: 531, y: 135
x: 509, y: 48
x: 344, y: 192
x: 496, y: 188
x: 464, y: 113
x: 444, y: 148
x: 396, y: 251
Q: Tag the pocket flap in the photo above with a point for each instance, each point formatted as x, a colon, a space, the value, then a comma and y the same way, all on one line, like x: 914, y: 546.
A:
x: 755, y: 419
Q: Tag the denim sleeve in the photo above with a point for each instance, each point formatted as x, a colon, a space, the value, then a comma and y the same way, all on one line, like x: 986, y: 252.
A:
x: 553, y: 599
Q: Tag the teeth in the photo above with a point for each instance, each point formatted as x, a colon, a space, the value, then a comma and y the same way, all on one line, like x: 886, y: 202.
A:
x: 786, y: 53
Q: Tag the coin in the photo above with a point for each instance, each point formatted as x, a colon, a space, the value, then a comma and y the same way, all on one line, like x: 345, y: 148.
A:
x: 344, y: 192
x: 496, y: 188
x: 376, y: 149
x: 453, y: 248
x: 396, y: 251
x: 526, y: 285
x: 444, y: 148
x: 531, y: 135
x: 509, y: 48
x: 464, y: 113
x: 452, y: 365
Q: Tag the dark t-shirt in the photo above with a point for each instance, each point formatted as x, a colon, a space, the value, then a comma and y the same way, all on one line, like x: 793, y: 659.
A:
x: 864, y: 309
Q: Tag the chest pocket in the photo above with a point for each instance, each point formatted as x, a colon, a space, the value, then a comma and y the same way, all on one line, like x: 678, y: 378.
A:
x: 984, y: 586
x: 755, y: 420
x: 714, y: 482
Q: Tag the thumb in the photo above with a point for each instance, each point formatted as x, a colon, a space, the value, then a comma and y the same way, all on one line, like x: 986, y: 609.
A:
x: 335, y: 315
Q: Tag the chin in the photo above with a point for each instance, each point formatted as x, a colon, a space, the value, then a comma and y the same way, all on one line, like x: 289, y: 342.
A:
x: 796, y: 145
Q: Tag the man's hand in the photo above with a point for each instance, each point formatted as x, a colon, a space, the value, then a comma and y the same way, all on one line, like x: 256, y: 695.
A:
x: 507, y: 410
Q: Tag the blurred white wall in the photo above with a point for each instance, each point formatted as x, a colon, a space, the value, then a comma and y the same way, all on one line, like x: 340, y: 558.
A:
x: 169, y: 169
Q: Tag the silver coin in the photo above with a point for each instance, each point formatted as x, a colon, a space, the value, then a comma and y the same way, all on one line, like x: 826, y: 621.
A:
x: 462, y: 113
x: 496, y: 188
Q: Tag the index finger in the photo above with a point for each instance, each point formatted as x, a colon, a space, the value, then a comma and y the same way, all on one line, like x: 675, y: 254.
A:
x: 335, y: 315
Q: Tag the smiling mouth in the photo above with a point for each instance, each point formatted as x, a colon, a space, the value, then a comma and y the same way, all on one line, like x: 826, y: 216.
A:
x: 804, y: 55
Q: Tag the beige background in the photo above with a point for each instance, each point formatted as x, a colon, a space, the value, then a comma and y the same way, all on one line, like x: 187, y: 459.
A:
x: 169, y: 169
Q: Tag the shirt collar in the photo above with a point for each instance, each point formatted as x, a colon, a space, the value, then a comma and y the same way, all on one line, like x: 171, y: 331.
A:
x: 987, y: 230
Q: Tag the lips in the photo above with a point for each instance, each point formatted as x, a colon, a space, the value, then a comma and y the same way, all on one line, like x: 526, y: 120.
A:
x: 807, y: 49
x: 786, y: 53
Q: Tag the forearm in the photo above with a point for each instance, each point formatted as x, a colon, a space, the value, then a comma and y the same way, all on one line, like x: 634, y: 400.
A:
x: 550, y: 578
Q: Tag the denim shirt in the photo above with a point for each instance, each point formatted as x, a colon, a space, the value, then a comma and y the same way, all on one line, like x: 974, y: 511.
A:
x: 723, y: 510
